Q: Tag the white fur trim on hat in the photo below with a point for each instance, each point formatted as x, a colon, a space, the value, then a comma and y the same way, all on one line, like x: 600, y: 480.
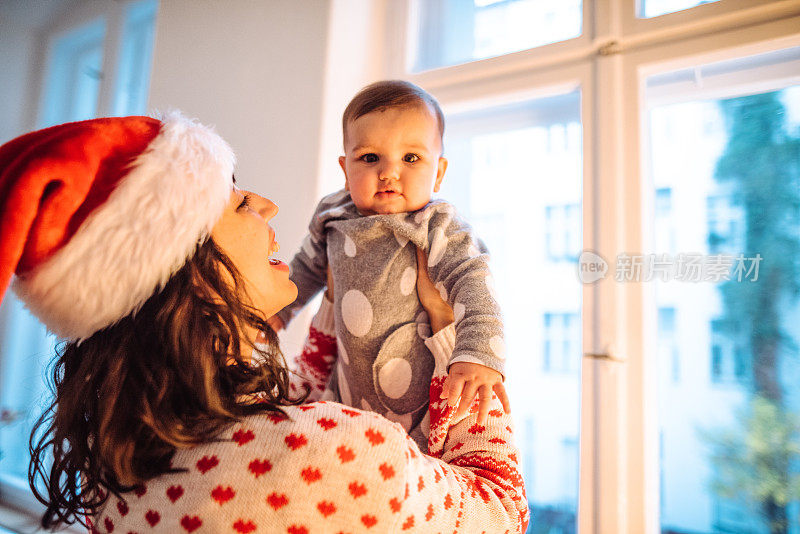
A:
x: 131, y: 245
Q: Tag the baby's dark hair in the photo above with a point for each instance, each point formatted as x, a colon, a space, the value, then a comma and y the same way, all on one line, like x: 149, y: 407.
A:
x: 390, y: 94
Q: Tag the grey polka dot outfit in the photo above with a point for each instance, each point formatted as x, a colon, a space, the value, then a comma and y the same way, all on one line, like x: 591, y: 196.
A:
x: 383, y: 363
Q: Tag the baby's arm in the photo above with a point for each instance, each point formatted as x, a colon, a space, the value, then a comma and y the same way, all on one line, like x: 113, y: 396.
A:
x: 307, y: 267
x: 467, y: 378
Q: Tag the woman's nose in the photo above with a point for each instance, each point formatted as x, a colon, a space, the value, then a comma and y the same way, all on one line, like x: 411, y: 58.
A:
x: 265, y: 207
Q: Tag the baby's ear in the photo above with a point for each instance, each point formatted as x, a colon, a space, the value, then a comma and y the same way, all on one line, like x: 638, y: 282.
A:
x: 440, y: 174
x: 342, y: 161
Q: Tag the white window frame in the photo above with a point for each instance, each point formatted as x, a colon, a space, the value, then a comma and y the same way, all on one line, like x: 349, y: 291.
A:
x: 609, y: 62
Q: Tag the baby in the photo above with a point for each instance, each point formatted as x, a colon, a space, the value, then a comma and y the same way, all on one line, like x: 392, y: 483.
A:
x: 369, y: 234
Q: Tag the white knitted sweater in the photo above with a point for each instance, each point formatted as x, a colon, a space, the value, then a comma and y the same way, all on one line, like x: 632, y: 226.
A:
x: 333, y: 469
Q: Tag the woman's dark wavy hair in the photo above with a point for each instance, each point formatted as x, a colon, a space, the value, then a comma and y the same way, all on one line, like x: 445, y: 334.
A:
x: 163, y: 378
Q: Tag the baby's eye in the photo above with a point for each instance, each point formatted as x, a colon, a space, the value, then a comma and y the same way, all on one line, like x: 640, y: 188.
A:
x: 369, y: 158
x: 410, y: 158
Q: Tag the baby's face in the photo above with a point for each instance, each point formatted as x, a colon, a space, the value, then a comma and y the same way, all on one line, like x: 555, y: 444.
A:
x: 392, y: 160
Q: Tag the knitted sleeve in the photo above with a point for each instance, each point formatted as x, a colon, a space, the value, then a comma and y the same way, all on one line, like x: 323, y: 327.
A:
x: 460, y: 270
x: 311, y: 368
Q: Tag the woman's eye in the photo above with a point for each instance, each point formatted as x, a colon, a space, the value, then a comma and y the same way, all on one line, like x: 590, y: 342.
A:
x: 410, y: 158
x: 245, y: 202
x: 369, y: 158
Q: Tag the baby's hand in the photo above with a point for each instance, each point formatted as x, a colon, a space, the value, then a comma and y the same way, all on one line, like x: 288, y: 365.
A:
x: 466, y: 380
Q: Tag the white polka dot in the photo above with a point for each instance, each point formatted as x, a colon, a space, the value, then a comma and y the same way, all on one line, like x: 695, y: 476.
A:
x: 423, y: 326
x: 473, y: 251
x: 308, y: 247
x: 438, y: 246
x: 408, y: 281
x: 498, y: 347
x: 404, y: 419
x: 335, y: 197
x: 401, y: 240
x: 419, y: 217
x: 344, y: 389
x: 458, y: 311
x: 395, y: 377
x: 365, y: 405
x: 349, y: 246
x: 342, y: 353
x: 442, y: 291
x: 490, y: 286
x: 356, y: 312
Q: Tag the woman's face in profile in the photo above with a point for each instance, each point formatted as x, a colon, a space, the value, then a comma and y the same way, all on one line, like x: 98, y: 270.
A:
x: 244, y: 235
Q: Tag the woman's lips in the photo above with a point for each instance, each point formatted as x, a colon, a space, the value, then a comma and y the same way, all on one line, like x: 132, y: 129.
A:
x: 278, y: 264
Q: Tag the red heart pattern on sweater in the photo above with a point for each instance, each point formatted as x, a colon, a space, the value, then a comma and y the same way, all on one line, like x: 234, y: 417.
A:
x: 122, y: 508
x: 369, y: 521
x: 448, y: 501
x: 244, y: 527
x: 374, y: 437
x: 277, y: 501
x: 259, y: 467
x: 387, y: 471
x: 311, y: 474
x: 109, y: 524
x: 243, y: 436
x: 476, y: 429
x: 395, y: 505
x: 306, y: 407
x: 346, y: 454
x: 140, y: 491
x: 351, y: 413
x: 326, y: 508
x: 429, y: 513
x: 174, y: 493
x: 295, y: 441
x: 152, y: 517
x: 295, y: 529
x: 408, y: 523
x: 222, y: 495
x: 326, y: 423
x: 190, y: 524
x: 357, y: 489
x: 207, y: 463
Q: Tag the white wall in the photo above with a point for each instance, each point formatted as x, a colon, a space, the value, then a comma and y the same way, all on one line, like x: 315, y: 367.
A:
x: 255, y: 70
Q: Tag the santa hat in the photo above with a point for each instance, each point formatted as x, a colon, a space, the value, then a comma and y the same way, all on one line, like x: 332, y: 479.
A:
x: 96, y: 216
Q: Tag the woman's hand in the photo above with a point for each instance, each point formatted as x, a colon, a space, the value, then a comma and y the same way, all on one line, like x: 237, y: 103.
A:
x: 440, y: 314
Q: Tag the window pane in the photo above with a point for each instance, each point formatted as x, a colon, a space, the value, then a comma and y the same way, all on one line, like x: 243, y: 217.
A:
x: 515, y: 174
x: 458, y: 31
x: 730, y: 412
x: 655, y: 8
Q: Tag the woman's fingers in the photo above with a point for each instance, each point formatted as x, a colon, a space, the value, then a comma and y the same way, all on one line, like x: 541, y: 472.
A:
x: 500, y: 391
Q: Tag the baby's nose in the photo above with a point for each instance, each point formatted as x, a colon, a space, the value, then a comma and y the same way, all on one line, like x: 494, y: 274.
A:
x: 389, y: 171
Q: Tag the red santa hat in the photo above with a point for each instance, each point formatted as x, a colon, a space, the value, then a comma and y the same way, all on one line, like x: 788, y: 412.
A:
x: 96, y: 216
